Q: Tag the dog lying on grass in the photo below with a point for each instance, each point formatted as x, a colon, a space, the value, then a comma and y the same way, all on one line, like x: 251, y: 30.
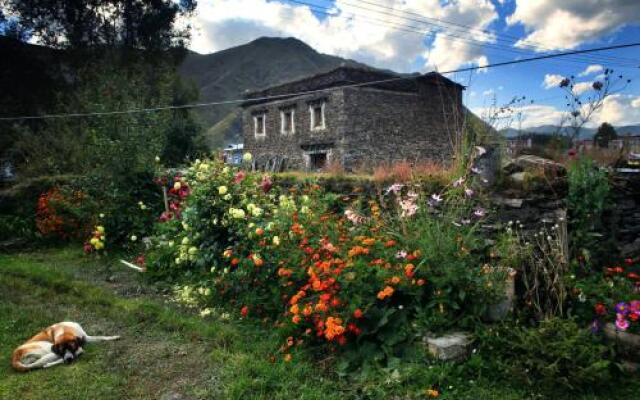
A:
x: 57, y: 344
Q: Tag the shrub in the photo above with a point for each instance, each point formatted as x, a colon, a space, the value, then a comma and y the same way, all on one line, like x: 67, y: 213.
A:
x: 374, y: 277
x: 558, y: 356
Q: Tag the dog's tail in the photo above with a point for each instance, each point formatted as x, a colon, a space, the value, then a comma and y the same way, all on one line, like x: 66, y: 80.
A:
x: 18, y: 365
x: 93, y: 339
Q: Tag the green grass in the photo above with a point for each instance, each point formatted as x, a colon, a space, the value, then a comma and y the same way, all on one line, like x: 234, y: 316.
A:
x: 167, y: 351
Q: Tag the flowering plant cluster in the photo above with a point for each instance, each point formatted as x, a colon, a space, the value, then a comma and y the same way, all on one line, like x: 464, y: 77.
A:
x: 177, y: 191
x: 615, y: 297
x: 97, y: 241
x: 324, y: 275
x: 54, y: 214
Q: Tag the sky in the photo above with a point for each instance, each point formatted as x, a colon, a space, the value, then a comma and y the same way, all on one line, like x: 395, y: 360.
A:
x: 443, y: 35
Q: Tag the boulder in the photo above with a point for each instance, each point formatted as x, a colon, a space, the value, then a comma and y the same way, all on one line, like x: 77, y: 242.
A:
x: 450, y: 347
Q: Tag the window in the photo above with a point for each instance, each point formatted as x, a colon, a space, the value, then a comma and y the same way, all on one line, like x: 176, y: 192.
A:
x: 317, y: 116
x: 287, y: 121
x: 259, y: 123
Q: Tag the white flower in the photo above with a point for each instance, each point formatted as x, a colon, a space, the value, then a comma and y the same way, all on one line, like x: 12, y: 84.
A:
x: 134, y: 238
x: 185, y: 240
x: 475, y: 170
x: 206, y: 312
x: 157, y: 159
x: 395, y: 188
x: 479, y: 212
x: 468, y: 192
x: 177, y: 185
x: 458, y: 182
x: 101, y: 215
x: 436, y: 197
x: 481, y: 151
x: 276, y: 241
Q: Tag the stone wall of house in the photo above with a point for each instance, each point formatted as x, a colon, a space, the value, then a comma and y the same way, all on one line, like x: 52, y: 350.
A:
x: 385, y: 127
x: 364, y: 127
x: 276, y: 145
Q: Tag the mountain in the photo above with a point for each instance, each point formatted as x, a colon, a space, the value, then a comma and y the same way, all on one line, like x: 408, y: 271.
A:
x: 228, y: 74
x: 586, y: 133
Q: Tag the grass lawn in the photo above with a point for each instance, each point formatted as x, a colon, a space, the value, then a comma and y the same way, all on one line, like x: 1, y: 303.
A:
x: 170, y: 353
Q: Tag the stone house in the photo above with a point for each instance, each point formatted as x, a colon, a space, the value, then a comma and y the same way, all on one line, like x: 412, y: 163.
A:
x: 355, y: 117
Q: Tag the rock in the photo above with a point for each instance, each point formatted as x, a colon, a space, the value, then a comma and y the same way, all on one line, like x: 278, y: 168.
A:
x: 628, y: 342
x: 511, y: 168
x: 509, y: 202
x: 111, y: 278
x: 172, y: 396
x: 518, y: 177
x: 631, y: 249
x: 499, y: 311
x: 450, y: 347
x: 528, y: 162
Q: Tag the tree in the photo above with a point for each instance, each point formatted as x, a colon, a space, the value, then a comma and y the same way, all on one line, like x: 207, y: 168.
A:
x: 134, y: 24
x: 606, y: 132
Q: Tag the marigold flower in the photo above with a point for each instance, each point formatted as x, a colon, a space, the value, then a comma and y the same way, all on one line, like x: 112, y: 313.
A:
x: 395, y: 280
x: 358, y: 313
x: 386, y: 292
x: 307, y: 310
x: 294, y: 309
x: 432, y: 393
x: 287, y: 357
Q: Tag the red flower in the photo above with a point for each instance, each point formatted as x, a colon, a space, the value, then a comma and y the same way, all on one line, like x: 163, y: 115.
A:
x: 266, y: 183
x: 600, y: 309
x: 358, y: 313
x: 244, y: 311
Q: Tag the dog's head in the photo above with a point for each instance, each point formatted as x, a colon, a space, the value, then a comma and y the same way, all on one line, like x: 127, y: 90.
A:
x: 67, y: 347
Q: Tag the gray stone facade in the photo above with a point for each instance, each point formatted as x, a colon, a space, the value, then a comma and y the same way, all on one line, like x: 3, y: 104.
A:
x: 405, y: 120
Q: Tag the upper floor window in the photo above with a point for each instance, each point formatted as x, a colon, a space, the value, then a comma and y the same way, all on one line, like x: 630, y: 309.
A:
x: 287, y: 121
x: 260, y: 124
x: 317, y: 116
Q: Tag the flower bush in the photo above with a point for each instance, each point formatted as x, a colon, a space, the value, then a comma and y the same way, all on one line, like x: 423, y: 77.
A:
x: 60, y: 213
x: 326, y: 270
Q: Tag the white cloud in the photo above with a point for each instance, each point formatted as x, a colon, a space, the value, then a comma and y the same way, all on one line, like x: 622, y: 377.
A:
x: 552, y: 81
x: 566, y: 24
x: 591, y: 69
x: 619, y: 109
x: 582, y: 87
x: 488, y: 92
x: 365, y: 35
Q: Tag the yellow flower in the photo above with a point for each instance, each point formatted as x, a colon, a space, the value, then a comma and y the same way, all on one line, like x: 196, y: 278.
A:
x: 222, y: 190
x: 433, y: 393
x: 100, y: 229
x: 177, y: 185
x: 276, y: 241
x: 247, y: 157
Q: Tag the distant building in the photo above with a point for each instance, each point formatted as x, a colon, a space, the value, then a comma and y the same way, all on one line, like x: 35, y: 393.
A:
x: 365, y: 125
x: 518, y: 143
x: 7, y: 171
x: 233, y: 154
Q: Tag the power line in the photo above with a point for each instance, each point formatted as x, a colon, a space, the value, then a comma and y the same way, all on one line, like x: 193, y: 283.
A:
x: 293, y: 94
x: 466, y: 28
x: 415, y: 29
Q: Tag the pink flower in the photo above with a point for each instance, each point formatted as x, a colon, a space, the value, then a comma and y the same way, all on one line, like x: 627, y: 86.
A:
x: 458, y: 182
x: 622, y: 324
x: 266, y: 183
x: 468, y: 192
x: 239, y: 177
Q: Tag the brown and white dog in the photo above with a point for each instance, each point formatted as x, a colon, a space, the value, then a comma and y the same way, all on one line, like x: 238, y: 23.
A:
x: 61, y: 342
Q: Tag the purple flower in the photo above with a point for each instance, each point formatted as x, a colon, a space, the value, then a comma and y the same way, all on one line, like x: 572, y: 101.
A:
x: 401, y: 254
x: 622, y: 308
x: 595, y: 326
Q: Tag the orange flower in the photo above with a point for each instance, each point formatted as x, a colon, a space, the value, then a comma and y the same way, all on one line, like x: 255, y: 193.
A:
x: 432, y: 393
x: 307, y: 310
x: 287, y: 357
x: 333, y: 328
x: 321, y: 307
x: 235, y: 261
x: 284, y: 272
x: 358, y: 313
x: 257, y: 260
x: 390, y: 243
x: 227, y: 253
x: 259, y: 231
x: 369, y: 242
x: 295, y: 319
x: 408, y: 270
x: 294, y: 309
x: 395, y: 280
x: 386, y: 292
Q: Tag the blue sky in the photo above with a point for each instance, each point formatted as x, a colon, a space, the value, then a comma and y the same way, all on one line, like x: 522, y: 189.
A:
x: 425, y: 35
